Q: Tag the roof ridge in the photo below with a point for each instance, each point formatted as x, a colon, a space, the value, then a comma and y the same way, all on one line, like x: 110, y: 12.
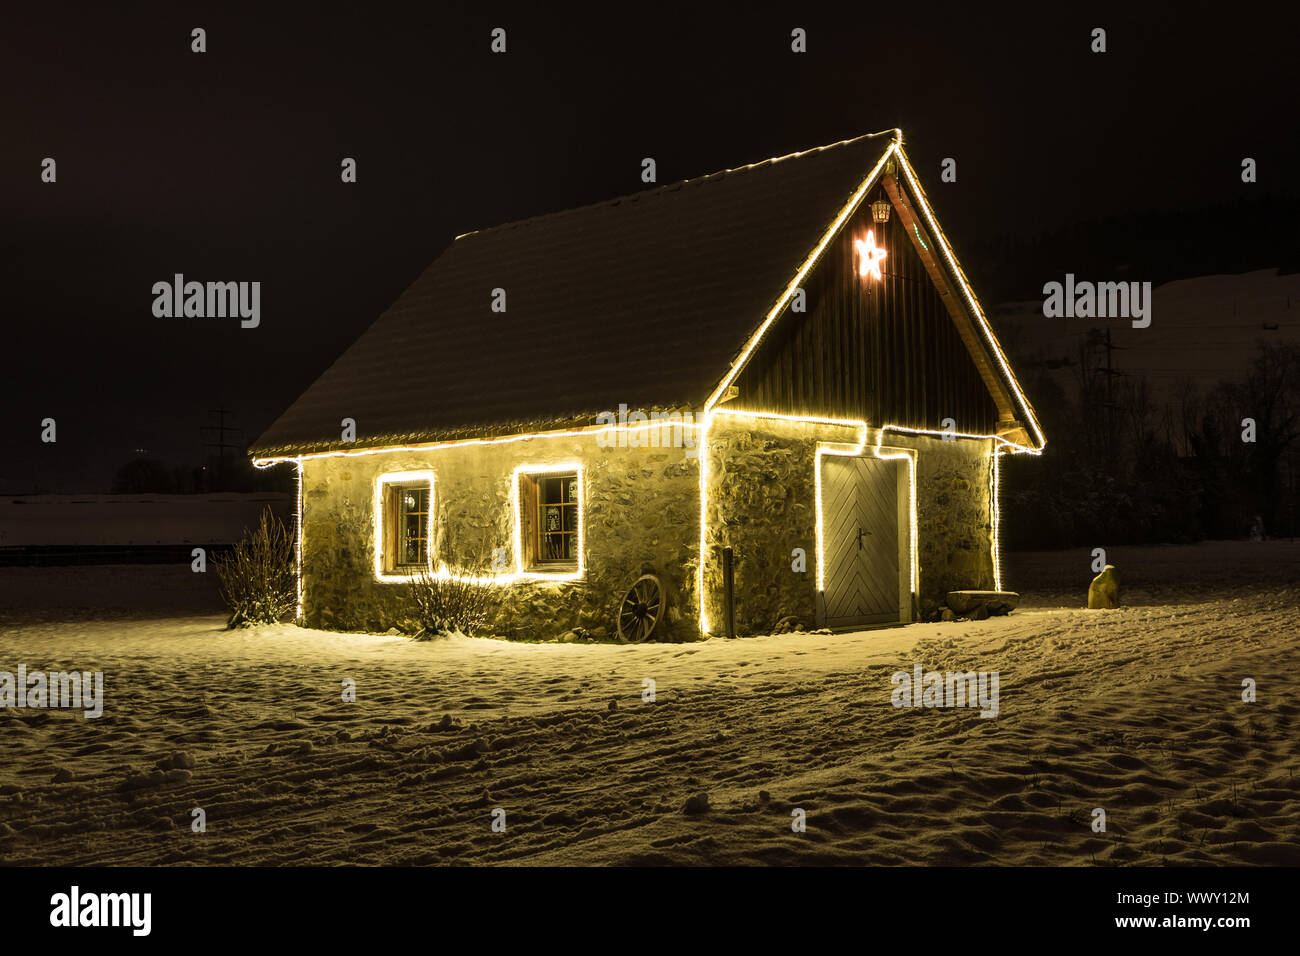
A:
x: 674, y: 186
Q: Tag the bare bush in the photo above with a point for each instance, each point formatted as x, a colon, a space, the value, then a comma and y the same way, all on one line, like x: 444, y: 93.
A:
x: 443, y: 604
x: 257, y: 576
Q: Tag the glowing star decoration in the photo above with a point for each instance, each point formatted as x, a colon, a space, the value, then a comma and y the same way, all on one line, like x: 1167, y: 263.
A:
x: 869, y: 256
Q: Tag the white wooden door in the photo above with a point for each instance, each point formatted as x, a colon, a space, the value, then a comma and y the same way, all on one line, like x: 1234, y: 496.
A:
x: 864, y: 532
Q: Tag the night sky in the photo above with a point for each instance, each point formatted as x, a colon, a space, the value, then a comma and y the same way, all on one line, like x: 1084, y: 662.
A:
x: 226, y: 165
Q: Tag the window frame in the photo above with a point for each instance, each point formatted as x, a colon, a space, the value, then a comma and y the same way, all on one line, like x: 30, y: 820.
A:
x: 526, y: 505
x: 386, y: 485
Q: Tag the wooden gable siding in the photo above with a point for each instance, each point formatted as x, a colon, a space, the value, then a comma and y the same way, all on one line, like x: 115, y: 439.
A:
x: 885, y: 350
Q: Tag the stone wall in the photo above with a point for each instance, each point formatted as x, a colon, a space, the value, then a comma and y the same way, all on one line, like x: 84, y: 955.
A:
x: 762, y: 504
x: 954, y: 517
x: 641, y: 515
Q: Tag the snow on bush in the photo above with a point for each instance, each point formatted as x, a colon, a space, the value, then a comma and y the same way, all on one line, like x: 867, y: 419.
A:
x: 443, y: 604
x: 257, y: 576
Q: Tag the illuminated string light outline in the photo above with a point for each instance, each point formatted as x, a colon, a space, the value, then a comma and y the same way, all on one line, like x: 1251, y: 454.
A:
x: 392, y: 478
x: 894, y: 149
x: 841, y: 218
x: 837, y: 449
x: 519, y: 574
x: 854, y: 201
x: 703, y: 444
x: 298, y: 546
x: 823, y: 449
x: 880, y: 450
x: 1014, y: 447
x: 995, y: 506
x: 955, y: 268
x: 996, y: 452
x: 909, y: 455
x: 522, y: 573
x: 698, y: 179
x: 850, y: 450
x: 583, y: 432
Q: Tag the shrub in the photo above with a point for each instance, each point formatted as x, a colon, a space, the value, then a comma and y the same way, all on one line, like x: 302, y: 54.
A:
x: 257, y: 576
x: 443, y: 604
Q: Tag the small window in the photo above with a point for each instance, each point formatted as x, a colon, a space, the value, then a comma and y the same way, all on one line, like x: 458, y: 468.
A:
x: 404, y: 540
x: 549, y: 520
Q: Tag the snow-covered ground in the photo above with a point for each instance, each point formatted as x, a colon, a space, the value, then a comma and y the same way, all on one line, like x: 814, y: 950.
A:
x: 1136, y: 711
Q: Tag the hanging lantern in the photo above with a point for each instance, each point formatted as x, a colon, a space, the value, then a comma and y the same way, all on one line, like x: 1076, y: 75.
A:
x: 880, y: 210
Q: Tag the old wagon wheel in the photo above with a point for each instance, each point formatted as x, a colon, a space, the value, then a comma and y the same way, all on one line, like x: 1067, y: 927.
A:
x: 641, y: 609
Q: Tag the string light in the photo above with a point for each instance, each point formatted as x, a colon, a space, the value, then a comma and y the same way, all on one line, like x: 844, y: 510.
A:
x: 869, y: 265
x: 390, y: 478
x: 848, y: 449
x: 894, y: 150
x: 522, y: 573
x: 298, y: 548
x: 442, y: 445
x: 823, y: 449
x: 995, y: 506
x: 840, y: 219
x: 942, y: 242
x: 909, y: 455
x: 999, y: 439
x: 742, y: 359
x: 853, y: 449
x: 685, y: 182
x: 703, y: 445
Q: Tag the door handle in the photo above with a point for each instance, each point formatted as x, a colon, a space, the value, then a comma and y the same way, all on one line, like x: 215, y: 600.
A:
x: 860, y: 534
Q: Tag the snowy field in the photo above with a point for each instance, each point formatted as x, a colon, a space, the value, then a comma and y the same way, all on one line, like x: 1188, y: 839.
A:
x: 1136, y: 711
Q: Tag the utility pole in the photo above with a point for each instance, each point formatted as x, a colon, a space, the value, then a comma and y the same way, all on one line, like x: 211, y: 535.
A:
x: 1108, y: 419
x: 219, y: 442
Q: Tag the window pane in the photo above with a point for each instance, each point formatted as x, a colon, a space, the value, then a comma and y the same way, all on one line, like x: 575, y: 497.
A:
x: 412, y: 524
x: 551, y: 520
x: 553, y: 547
x: 557, y: 517
x: 551, y: 490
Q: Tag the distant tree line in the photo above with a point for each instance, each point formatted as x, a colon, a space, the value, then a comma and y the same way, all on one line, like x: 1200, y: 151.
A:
x: 1118, y: 470
x: 149, y: 476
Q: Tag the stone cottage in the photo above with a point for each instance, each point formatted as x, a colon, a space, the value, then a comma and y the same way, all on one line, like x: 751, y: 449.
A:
x: 771, y: 390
